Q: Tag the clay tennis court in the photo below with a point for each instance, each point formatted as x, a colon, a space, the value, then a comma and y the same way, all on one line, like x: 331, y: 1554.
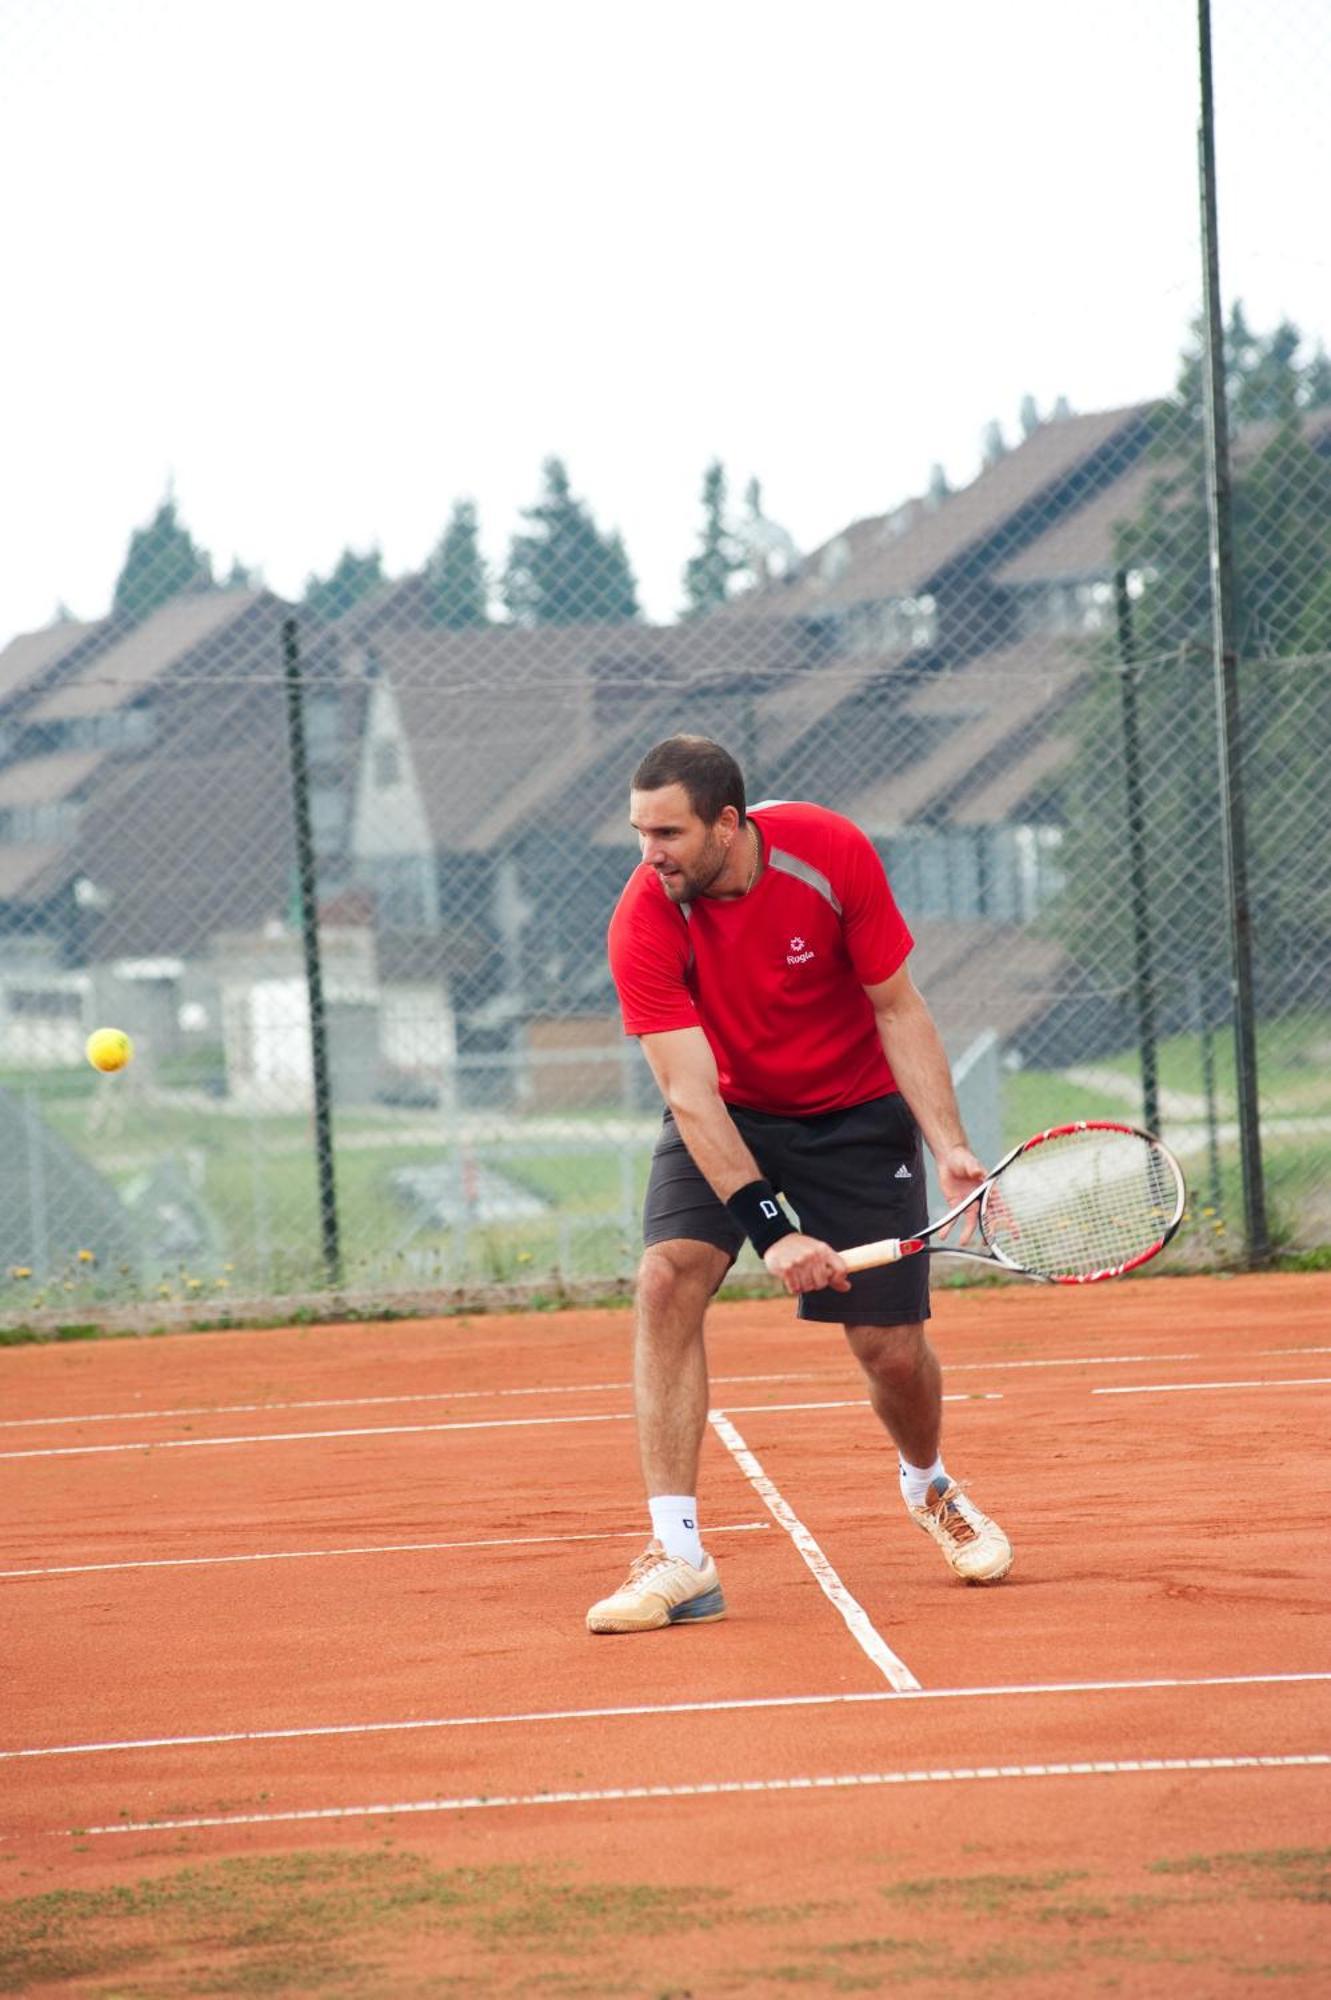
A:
x: 298, y: 1694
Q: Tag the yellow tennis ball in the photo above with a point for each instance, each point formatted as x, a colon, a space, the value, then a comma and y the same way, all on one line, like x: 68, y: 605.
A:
x: 109, y: 1048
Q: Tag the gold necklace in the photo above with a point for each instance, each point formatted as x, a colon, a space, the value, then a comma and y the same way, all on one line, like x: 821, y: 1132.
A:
x: 757, y: 859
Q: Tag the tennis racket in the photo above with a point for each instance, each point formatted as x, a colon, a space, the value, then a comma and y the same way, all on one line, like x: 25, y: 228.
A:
x: 1070, y: 1206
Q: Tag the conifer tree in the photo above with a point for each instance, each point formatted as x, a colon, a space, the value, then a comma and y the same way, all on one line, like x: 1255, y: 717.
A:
x: 707, y: 574
x: 1282, y: 607
x: 351, y: 578
x: 993, y: 445
x: 459, y: 585
x: 162, y: 562
x: 564, y: 571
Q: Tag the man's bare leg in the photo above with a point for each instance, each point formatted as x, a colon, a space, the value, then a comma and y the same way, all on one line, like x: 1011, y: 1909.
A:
x: 675, y: 1581
x: 906, y: 1390
x: 905, y: 1385
x: 676, y: 1281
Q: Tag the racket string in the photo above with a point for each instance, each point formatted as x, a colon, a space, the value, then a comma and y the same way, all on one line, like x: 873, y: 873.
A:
x: 1083, y: 1203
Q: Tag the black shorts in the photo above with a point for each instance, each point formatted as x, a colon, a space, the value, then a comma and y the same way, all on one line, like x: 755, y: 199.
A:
x: 851, y: 1176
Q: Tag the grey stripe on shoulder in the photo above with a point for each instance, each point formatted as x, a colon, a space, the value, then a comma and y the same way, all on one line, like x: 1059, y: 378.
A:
x: 804, y: 871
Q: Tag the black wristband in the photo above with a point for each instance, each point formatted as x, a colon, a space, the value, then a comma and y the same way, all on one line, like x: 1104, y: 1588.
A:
x: 760, y: 1215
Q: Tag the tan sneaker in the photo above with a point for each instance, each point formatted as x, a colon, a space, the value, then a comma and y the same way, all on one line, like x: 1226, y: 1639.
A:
x: 975, y: 1547
x: 660, y: 1590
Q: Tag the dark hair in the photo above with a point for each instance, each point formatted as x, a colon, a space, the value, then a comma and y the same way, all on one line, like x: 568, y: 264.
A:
x: 709, y: 774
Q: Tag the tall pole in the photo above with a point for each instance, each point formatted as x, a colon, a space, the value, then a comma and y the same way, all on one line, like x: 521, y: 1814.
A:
x: 1219, y: 498
x: 307, y: 892
x: 1137, y: 877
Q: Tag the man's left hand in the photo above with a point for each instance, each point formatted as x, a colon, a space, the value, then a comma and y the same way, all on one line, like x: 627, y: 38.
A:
x: 958, y: 1173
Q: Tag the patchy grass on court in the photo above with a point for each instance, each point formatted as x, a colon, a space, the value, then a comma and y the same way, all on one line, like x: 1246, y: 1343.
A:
x: 391, y: 1922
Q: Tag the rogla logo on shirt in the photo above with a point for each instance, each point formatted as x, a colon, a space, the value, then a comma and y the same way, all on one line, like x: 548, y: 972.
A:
x: 799, y: 952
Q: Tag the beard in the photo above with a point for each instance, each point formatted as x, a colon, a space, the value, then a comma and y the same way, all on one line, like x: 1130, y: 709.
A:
x: 697, y: 880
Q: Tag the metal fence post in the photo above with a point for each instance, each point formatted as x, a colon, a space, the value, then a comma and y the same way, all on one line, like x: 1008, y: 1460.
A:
x: 307, y: 890
x: 39, y: 1255
x: 1220, y: 509
x: 1137, y: 876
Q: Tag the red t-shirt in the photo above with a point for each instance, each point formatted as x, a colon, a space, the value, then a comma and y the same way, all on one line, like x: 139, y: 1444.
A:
x: 776, y: 978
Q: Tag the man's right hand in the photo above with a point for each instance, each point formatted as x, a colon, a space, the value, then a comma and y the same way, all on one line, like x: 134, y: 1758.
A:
x: 803, y: 1264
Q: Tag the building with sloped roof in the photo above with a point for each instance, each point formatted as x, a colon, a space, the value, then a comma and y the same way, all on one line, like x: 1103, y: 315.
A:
x: 145, y: 793
x: 920, y: 672
x: 922, y: 575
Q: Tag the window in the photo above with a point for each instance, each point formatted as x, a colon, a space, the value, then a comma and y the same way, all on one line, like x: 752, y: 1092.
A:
x: 50, y: 822
x: 405, y: 891
x: 328, y: 813
x: 322, y: 719
x: 894, y: 624
x: 119, y: 729
x: 1003, y: 874
x: 44, y: 1003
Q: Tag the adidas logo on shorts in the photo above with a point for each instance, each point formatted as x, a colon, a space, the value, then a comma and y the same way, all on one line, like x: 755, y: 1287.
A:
x: 902, y: 1174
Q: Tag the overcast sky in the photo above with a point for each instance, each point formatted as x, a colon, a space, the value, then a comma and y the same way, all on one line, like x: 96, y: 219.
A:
x: 329, y: 266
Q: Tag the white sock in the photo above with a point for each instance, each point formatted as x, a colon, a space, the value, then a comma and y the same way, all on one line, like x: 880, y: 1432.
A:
x: 675, y: 1525
x: 917, y: 1479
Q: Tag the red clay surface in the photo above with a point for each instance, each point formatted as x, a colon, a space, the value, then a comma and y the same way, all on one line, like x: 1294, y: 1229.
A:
x: 1172, y: 1535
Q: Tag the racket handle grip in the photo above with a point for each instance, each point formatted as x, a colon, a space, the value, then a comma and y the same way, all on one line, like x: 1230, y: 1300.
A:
x: 888, y: 1250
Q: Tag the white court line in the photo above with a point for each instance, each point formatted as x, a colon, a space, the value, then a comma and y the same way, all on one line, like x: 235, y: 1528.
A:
x: 1068, y: 1361
x: 851, y: 1403
x: 966, y: 1774
x: 430, y: 1396
x: 588, y: 1389
x: 1112, y: 1360
x: 1180, y: 1388
x: 592, y: 1388
x: 144, y: 1445
x: 638, y: 1709
x: 857, y: 1619
x: 371, y: 1549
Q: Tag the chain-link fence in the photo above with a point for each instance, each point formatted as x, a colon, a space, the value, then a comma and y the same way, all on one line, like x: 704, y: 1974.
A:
x: 1009, y: 685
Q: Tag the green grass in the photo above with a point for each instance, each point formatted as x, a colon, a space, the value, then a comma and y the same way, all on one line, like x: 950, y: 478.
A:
x: 1298, y: 1874
x: 993, y: 1894
x: 255, y: 1178
x: 335, y: 1922
x: 370, y: 1921
x: 1034, y: 1099
x: 1293, y: 1063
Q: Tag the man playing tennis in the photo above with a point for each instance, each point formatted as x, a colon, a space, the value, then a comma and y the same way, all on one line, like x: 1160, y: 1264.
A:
x: 761, y: 960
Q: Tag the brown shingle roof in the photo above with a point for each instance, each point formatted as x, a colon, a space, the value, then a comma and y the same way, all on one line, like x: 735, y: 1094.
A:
x: 1010, y: 789
x: 43, y: 780
x: 972, y: 742
x: 22, y: 866
x: 33, y: 654
x: 898, y: 554
x: 505, y: 723
x: 194, y: 831
x: 981, y: 975
x: 940, y: 737
x: 1081, y: 545
x: 117, y: 675
x: 479, y: 711
x: 182, y: 846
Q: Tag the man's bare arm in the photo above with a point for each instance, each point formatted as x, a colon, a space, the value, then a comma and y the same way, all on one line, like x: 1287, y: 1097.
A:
x: 685, y: 1070
x: 914, y: 1050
